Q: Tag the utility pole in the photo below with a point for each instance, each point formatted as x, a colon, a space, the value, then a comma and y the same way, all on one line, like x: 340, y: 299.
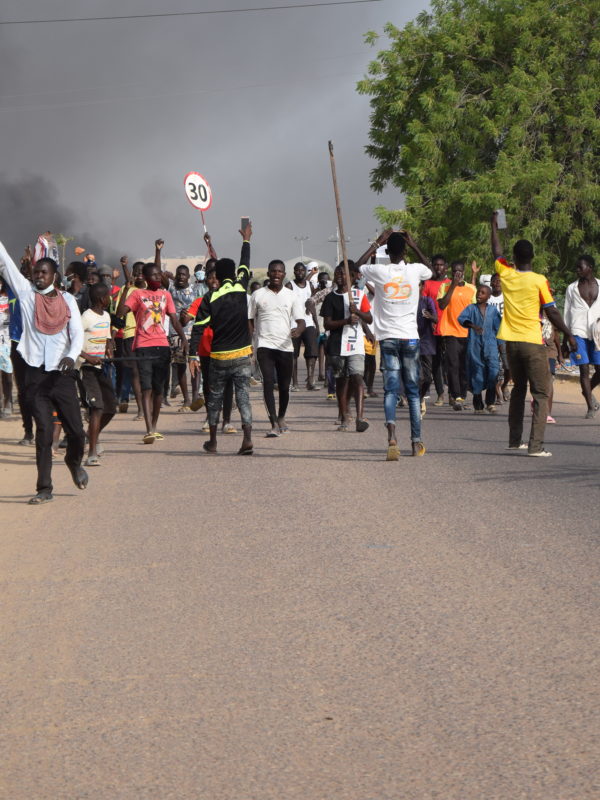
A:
x: 336, y: 240
x: 301, y: 239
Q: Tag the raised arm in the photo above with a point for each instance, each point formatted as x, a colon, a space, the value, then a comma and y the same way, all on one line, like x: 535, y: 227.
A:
x: 379, y: 242
x: 243, y: 274
x: 212, y: 253
x: 443, y: 301
x: 497, y: 251
x: 415, y: 247
x: 12, y: 275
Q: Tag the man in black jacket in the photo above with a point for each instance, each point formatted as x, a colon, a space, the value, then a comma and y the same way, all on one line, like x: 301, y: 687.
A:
x: 226, y: 311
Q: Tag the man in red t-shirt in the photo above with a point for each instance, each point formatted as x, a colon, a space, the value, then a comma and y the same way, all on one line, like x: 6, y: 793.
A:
x: 431, y: 289
x: 151, y: 348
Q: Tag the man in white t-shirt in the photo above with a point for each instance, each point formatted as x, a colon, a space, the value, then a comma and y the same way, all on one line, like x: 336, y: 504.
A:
x: 394, y: 308
x: 303, y: 290
x: 277, y: 316
x: 97, y: 344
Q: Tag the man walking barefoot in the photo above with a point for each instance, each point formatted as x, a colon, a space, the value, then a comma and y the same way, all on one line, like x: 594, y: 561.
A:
x: 226, y: 311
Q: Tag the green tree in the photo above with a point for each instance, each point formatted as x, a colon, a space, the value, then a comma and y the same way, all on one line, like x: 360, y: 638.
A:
x: 482, y: 104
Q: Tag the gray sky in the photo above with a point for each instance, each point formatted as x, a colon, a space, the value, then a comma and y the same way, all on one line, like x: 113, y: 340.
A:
x: 101, y: 121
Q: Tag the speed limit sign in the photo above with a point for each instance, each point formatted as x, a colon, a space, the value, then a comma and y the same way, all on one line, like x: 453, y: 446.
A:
x: 197, y: 191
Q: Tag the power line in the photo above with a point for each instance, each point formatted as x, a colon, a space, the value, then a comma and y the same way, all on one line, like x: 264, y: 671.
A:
x: 185, y: 93
x: 190, y: 13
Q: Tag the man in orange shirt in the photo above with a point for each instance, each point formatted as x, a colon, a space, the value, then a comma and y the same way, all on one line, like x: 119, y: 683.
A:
x: 452, y: 299
x: 432, y: 289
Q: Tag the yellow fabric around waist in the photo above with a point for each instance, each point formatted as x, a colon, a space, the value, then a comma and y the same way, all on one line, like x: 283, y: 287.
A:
x: 228, y: 355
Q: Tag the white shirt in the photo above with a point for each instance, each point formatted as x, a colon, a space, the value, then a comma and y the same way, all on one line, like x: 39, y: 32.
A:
x: 275, y: 314
x: 498, y: 301
x: 396, y: 298
x: 96, y: 331
x: 41, y: 349
x: 579, y: 317
x: 304, y: 293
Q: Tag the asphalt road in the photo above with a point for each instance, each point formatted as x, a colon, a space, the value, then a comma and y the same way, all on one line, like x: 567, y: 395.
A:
x: 311, y: 623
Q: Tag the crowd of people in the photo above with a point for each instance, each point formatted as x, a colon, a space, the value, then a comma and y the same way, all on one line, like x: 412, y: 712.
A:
x: 80, y: 347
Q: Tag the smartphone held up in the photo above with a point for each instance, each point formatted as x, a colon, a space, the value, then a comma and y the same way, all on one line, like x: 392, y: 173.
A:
x: 501, y: 219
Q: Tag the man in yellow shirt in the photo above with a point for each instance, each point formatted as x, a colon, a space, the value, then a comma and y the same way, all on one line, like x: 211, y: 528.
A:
x: 526, y: 293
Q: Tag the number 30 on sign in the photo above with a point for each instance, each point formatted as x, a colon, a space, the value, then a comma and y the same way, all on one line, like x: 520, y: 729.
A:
x: 197, y: 191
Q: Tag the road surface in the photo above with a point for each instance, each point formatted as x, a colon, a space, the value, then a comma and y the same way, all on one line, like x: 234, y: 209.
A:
x: 311, y: 623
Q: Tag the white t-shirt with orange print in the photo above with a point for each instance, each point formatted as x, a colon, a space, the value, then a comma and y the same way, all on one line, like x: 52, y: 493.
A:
x: 396, y: 298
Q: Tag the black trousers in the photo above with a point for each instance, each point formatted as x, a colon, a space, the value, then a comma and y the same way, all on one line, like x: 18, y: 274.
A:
x: 456, y: 364
x: 426, y: 374
x: 437, y: 365
x: 275, y: 365
x: 19, y: 368
x: 370, y: 369
x: 47, y: 392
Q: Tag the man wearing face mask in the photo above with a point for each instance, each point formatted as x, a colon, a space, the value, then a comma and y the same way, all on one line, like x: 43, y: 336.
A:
x: 75, y: 282
x: 52, y: 339
x: 184, y: 293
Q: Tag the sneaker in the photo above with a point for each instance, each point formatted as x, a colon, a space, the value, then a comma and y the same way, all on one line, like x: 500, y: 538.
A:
x: 331, y: 397
x: 459, y: 404
x: 27, y: 441
x: 418, y: 449
x: 229, y: 428
x: 123, y: 407
x: 590, y: 414
x: 491, y: 409
x: 197, y: 404
x: 521, y: 446
x: 206, y: 427
x: 254, y: 382
x: 550, y: 420
x: 541, y: 454
x: 423, y: 408
x: 440, y: 400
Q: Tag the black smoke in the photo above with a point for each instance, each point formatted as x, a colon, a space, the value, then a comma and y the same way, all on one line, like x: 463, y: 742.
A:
x: 30, y: 206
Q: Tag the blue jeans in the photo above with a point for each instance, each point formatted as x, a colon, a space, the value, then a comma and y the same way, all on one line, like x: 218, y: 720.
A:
x: 400, y: 362
x: 239, y: 370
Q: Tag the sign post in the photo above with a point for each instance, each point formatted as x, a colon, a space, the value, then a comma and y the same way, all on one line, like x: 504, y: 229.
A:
x: 198, y: 193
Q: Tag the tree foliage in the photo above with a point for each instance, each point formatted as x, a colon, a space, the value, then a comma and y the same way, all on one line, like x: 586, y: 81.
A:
x: 482, y: 104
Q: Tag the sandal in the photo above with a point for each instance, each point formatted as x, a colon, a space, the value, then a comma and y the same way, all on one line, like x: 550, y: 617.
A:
x: 393, y: 453
x: 148, y: 438
x: 184, y: 410
x: 361, y: 425
x: 246, y: 451
x: 93, y: 461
